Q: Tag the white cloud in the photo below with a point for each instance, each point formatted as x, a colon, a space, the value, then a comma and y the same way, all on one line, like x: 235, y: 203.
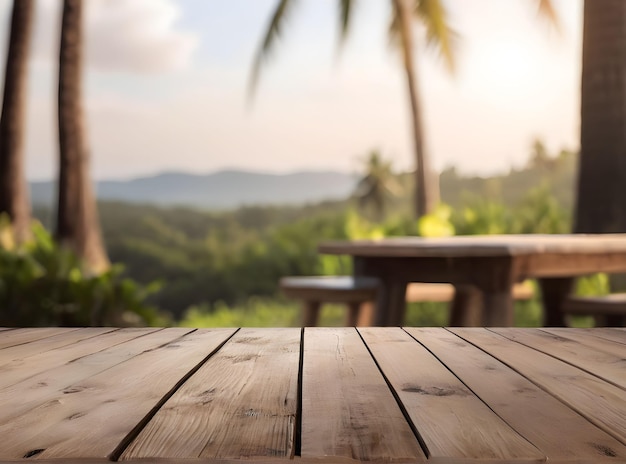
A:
x: 132, y: 36
x: 136, y: 35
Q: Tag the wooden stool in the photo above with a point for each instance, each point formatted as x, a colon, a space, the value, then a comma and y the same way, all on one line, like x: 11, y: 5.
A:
x: 607, y: 310
x: 316, y: 290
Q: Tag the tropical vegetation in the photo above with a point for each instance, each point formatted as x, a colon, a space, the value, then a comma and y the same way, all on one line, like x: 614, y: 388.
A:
x: 224, y: 266
x: 432, y: 15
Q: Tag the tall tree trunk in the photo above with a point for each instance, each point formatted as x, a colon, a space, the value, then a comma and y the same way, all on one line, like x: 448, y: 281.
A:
x: 78, y: 225
x: 13, y: 187
x: 426, y: 185
x: 601, y: 201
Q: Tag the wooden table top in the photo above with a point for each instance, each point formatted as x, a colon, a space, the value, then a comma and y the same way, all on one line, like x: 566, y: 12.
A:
x: 314, y: 395
x: 479, y: 245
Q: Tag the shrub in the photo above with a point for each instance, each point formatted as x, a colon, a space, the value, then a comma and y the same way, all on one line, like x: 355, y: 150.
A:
x: 42, y: 284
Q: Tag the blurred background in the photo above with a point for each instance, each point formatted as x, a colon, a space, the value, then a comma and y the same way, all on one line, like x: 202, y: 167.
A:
x: 182, y: 156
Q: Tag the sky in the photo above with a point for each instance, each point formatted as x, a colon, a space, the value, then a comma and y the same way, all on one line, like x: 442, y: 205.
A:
x: 166, y: 87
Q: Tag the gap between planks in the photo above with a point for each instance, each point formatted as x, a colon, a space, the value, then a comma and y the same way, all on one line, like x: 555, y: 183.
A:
x: 610, y: 367
x: 598, y: 401
x: 132, y: 435
x: 528, y: 409
x: 452, y: 421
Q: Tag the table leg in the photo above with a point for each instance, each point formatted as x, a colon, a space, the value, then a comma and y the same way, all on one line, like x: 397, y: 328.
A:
x: 466, y: 307
x: 366, y: 314
x: 311, y: 313
x: 391, y: 304
x: 553, y: 293
x: 498, y: 309
x: 354, y: 308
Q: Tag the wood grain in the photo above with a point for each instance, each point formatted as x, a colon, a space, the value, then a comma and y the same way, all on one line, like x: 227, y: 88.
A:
x: 21, y: 336
x: 90, y: 418
x: 25, y: 350
x: 35, y: 366
x: 588, y: 340
x: 608, y: 366
x: 347, y: 408
x: 613, y: 334
x: 532, y: 412
x: 114, y: 405
x: 241, y: 403
x: 450, y: 419
x: 598, y: 401
x: 42, y: 390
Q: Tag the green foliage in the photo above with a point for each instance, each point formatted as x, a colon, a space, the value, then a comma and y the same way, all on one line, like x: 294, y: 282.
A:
x: 226, y: 265
x: 258, y: 312
x: 436, y: 224
x: 377, y: 186
x: 44, y: 285
x: 537, y: 213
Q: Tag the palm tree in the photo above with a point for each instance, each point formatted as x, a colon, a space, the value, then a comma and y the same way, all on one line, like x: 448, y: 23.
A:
x: 601, y: 203
x: 13, y: 187
x: 432, y: 14
x: 376, y: 185
x: 78, y: 226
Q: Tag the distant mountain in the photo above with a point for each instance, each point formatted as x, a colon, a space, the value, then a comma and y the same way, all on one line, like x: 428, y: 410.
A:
x: 219, y: 190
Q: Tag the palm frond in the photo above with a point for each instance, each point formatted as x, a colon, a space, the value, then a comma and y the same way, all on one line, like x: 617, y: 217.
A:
x: 273, y: 32
x: 547, y: 11
x: 345, y: 14
x: 439, y: 35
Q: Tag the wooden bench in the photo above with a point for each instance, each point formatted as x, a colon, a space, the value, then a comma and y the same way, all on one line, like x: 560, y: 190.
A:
x: 316, y: 290
x: 359, y: 294
x: 607, y: 309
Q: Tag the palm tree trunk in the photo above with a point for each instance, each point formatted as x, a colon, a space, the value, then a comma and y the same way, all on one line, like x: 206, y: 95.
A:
x: 14, y: 199
x: 78, y: 226
x: 426, y: 188
x: 601, y: 202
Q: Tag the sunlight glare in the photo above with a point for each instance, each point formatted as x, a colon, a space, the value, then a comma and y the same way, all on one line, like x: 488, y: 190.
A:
x: 507, y: 69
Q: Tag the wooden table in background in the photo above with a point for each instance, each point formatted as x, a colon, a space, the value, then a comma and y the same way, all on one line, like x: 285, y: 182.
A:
x: 313, y: 395
x: 486, y: 266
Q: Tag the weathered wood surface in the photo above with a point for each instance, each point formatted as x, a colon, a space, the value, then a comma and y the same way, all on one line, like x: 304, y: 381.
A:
x: 242, y: 402
x: 313, y: 395
x: 449, y: 418
x: 598, y: 401
x: 97, y: 348
x: 481, y: 245
x: 347, y: 408
x: 609, y: 366
x: 22, y: 336
x: 523, y: 405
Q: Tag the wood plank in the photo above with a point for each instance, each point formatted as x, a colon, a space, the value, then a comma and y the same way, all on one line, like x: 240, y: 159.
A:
x: 616, y: 335
x: 347, y: 408
x: 241, y: 403
x: 35, y: 413
x: 555, y: 429
x: 588, y: 339
x: 598, y: 401
x: 607, y: 366
x: 42, y: 390
x: 21, y: 336
x: 89, y: 418
x: 18, y: 370
x: 23, y: 351
x: 451, y: 421
x: 295, y: 460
